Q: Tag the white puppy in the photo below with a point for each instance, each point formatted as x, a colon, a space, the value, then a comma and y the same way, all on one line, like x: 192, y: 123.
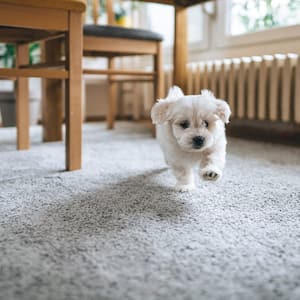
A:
x: 191, y: 132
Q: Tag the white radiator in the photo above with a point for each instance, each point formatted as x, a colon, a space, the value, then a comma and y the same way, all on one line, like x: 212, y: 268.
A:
x: 256, y: 88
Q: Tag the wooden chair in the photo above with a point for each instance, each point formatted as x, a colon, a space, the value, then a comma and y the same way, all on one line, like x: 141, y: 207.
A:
x: 112, y: 41
x: 23, y: 22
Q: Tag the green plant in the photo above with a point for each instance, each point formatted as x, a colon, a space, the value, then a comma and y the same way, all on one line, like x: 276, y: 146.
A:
x: 257, y: 15
x: 8, y: 51
x: 120, y: 9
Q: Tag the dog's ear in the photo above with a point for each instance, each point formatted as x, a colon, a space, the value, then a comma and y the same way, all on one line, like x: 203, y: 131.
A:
x: 223, y: 110
x: 160, y: 111
x: 175, y: 93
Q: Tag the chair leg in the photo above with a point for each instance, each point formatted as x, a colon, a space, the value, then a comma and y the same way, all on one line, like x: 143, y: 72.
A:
x: 22, y: 101
x: 73, y: 93
x: 112, y: 97
x: 159, y: 78
x: 52, y: 96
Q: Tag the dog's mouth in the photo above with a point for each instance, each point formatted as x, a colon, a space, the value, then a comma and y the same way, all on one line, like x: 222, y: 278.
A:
x: 196, y: 148
x: 192, y: 148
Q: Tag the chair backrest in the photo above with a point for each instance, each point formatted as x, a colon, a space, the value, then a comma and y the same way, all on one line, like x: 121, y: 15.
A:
x: 109, y: 10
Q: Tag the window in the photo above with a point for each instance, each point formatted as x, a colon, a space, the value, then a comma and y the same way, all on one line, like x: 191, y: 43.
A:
x: 195, y: 24
x: 255, y: 15
x: 160, y: 18
x: 245, y: 22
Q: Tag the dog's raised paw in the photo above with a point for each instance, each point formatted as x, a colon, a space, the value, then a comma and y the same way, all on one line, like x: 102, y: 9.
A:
x: 184, y: 187
x: 211, y: 174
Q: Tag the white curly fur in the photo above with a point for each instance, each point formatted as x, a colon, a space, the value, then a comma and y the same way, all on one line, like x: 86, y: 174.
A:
x: 181, y: 153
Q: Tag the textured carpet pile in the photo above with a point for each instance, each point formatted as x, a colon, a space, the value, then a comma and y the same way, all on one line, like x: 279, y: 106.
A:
x: 117, y: 230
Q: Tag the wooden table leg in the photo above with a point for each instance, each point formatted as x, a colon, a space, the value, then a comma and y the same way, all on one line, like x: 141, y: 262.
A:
x: 22, y: 100
x: 180, y: 48
x: 158, y: 68
x: 73, y: 92
x: 159, y: 78
x: 112, y: 95
x: 52, y: 95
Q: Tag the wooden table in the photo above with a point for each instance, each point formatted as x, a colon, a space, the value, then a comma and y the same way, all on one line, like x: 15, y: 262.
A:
x: 52, y: 106
x: 180, y: 38
x: 23, y: 22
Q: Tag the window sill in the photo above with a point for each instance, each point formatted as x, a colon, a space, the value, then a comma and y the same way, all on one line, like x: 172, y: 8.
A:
x: 268, y: 35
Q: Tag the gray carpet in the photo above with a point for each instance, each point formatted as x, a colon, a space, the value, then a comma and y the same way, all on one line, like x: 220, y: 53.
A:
x: 117, y: 230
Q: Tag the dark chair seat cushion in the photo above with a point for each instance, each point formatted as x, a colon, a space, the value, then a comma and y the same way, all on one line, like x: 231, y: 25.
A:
x: 121, y: 32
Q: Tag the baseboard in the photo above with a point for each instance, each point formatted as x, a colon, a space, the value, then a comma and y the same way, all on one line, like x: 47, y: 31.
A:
x: 118, y: 118
x: 274, y: 132
x: 103, y: 118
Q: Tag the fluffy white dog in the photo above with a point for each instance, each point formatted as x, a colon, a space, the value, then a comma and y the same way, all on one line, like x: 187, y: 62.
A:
x: 191, y: 132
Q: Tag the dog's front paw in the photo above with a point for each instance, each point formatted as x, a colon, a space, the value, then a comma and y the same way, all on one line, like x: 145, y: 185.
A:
x: 184, y: 187
x: 211, y: 173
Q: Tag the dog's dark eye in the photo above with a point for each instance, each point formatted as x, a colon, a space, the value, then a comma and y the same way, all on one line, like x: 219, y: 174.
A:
x: 184, y: 124
x: 205, y: 123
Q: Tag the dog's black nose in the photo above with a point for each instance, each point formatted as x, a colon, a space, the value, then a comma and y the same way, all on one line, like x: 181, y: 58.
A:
x: 198, y: 141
